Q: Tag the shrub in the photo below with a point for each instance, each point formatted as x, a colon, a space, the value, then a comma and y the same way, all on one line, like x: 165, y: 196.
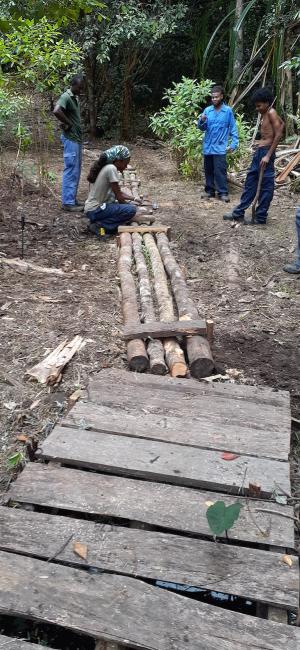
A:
x: 177, y: 123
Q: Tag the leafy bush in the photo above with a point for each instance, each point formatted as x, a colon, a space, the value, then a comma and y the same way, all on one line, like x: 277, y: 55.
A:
x: 12, y: 109
x: 177, y: 122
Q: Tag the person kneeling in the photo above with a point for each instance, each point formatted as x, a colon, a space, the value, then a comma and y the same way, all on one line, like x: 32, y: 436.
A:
x: 106, y: 206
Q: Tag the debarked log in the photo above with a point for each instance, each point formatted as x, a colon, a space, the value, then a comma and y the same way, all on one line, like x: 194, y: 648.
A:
x: 136, y: 350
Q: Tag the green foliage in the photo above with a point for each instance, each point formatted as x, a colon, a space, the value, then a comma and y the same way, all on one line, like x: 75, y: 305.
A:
x: 16, y: 460
x: 221, y: 518
x: 36, y: 54
x: 11, y: 107
x: 62, y: 12
x: 177, y: 123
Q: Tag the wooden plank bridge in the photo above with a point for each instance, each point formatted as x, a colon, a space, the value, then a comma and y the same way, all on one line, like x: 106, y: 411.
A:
x: 128, y: 475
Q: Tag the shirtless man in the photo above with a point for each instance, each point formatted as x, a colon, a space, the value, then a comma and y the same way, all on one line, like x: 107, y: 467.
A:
x: 272, y: 128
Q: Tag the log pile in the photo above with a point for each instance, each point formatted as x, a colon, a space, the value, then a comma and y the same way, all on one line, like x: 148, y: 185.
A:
x: 162, y: 330
x: 287, y: 168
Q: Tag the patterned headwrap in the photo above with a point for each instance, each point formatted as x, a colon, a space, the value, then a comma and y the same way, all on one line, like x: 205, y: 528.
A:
x: 117, y: 153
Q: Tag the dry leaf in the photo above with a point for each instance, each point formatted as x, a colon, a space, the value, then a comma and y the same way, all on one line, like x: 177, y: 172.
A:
x: 254, y: 490
x: 34, y: 404
x: 22, y: 437
x: 209, y: 503
x: 75, y: 396
x: 287, y: 560
x: 227, y: 455
x: 80, y: 549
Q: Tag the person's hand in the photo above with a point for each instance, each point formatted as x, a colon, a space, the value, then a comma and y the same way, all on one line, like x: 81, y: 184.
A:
x: 264, y: 161
x: 203, y: 117
x: 65, y: 127
x: 230, y: 150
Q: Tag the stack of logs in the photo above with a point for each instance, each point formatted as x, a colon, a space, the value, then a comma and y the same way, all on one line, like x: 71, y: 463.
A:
x: 151, y: 342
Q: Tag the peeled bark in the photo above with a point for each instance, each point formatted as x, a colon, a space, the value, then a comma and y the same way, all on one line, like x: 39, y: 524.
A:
x: 136, y: 350
x: 155, y: 348
x: 198, y: 348
x: 173, y: 352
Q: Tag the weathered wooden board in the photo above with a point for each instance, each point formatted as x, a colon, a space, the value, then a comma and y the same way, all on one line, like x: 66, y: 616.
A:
x: 183, y: 427
x: 9, y: 643
x: 160, y: 461
x: 249, y: 573
x: 151, y: 504
x: 129, y: 611
x: 164, y: 330
x: 188, y: 387
x: 145, y: 229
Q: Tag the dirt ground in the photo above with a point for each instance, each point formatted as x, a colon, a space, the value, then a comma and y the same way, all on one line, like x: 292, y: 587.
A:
x: 235, y: 277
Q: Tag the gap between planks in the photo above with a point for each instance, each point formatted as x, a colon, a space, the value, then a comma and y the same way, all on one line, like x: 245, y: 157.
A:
x: 176, y: 509
x: 253, y: 574
x: 106, y: 606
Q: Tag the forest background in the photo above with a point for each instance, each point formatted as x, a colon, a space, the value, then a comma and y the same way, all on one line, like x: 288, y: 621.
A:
x: 148, y: 66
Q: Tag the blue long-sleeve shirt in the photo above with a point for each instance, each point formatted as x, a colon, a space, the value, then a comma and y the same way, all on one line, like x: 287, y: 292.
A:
x: 220, y: 130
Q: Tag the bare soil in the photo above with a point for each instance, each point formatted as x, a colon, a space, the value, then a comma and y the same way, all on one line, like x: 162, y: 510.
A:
x: 235, y: 277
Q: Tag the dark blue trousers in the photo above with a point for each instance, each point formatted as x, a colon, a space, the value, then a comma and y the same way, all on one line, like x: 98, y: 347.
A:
x: 113, y: 215
x: 215, y: 169
x: 250, y: 189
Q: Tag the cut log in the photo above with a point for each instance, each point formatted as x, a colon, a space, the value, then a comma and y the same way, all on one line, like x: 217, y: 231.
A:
x: 49, y: 370
x: 198, y: 348
x: 22, y: 267
x: 173, y: 352
x: 156, y: 330
x: 136, y: 350
x: 145, y: 229
x: 289, y: 167
x: 155, y: 348
x: 210, y: 331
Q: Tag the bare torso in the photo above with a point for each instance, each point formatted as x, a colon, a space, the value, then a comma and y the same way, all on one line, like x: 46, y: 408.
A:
x: 267, y: 129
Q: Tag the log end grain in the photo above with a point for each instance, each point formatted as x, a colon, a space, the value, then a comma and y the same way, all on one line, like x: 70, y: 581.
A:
x: 179, y: 370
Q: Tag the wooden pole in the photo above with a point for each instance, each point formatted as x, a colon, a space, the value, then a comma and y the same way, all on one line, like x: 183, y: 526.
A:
x: 173, y: 352
x: 198, y: 348
x: 155, y: 347
x: 136, y: 351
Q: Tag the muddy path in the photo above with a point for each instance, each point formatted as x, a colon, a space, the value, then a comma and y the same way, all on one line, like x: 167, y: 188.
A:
x: 235, y: 277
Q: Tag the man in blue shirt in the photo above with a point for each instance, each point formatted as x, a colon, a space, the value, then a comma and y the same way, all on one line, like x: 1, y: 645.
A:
x: 295, y: 268
x: 221, y: 135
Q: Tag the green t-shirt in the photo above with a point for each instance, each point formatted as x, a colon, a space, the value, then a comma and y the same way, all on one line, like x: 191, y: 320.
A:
x: 70, y: 104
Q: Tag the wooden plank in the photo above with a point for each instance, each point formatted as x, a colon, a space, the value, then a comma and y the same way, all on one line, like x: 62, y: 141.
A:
x: 129, y: 612
x: 182, y: 428
x: 165, y: 462
x: 249, y: 573
x: 188, y: 387
x: 164, y: 330
x: 145, y: 229
x: 11, y: 643
x: 151, y: 504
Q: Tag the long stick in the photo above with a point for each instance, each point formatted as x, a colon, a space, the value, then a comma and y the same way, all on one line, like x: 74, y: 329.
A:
x: 261, y: 173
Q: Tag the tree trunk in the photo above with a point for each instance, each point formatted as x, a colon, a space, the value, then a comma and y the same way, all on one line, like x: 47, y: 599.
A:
x: 126, y: 123
x: 238, y: 47
x: 289, y: 109
x: 173, y: 352
x: 136, y: 351
x: 198, y: 348
x: 155, y: 347
x: 91, y: 94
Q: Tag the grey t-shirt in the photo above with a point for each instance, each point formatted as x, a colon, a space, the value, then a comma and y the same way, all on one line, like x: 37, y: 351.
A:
x: 100, y: 191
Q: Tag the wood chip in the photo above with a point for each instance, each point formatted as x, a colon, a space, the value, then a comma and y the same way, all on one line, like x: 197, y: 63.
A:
x: 80, y: 550
x: 49, y: 370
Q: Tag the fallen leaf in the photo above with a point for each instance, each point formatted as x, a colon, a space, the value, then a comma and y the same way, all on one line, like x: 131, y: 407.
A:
x: 80, y: 549
x: 287, y: 560
x: 34, y: 404
x: 75, y: 396
x: 209, y: 503
x: 22, y: 437
x: 227, y: 455
x: 254, y: 490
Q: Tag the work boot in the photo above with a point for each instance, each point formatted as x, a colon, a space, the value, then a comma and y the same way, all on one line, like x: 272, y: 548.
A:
x: 292, y: 268
x: 225, y: 198
x: 231, y: 216
x: 72, y: 208
x: 207, y: 196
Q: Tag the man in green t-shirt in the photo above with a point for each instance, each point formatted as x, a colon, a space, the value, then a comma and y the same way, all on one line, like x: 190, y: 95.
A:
x: 67, y: 111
